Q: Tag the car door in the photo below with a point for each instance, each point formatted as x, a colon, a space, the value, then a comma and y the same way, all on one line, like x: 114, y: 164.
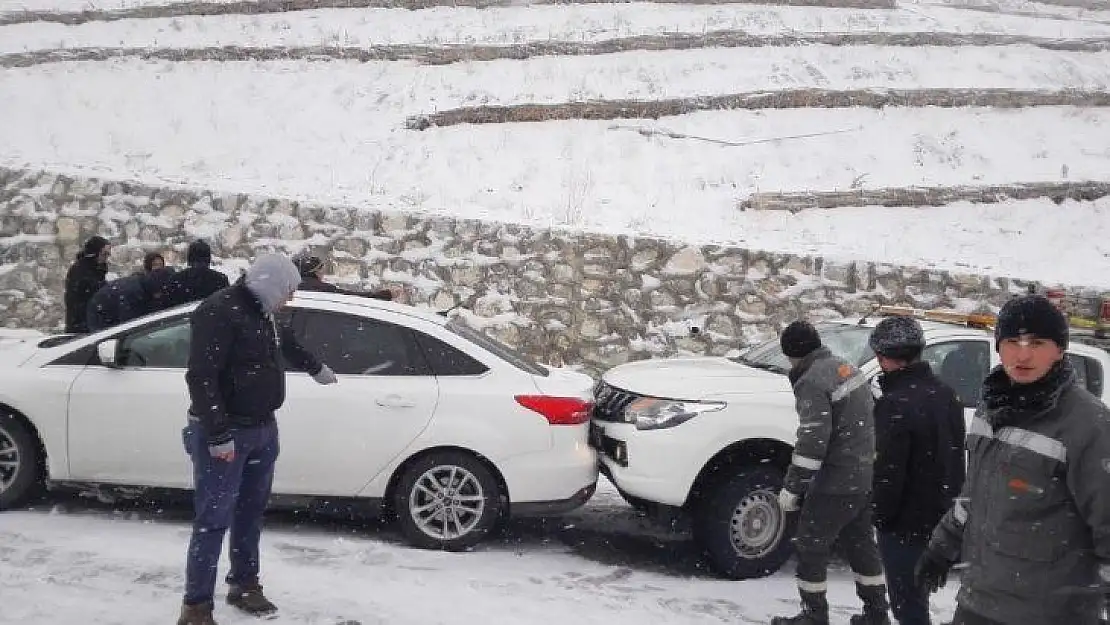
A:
x: 336, y: 438
x: 125, y: 422
x: 962, y: 364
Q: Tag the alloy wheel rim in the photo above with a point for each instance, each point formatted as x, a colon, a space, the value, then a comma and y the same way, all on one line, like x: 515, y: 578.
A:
x: 9, y: 460
x: 447, y: 502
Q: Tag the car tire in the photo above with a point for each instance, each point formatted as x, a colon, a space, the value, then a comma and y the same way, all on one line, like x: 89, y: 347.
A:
x: 19, y: 483
x: 470, y: 501
x: 741, y: 527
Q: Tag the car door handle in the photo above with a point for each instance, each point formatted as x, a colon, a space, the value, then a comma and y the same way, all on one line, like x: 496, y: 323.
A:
x: 394, y: 401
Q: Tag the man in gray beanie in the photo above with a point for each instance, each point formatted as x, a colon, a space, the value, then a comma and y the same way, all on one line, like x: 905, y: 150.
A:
x: 236, y: 383
x: 1033, y: 518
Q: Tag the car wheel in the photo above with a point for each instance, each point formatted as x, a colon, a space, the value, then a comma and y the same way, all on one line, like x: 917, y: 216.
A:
x: 447, y: 500
x: 20, y: 463
x: 741, y: 526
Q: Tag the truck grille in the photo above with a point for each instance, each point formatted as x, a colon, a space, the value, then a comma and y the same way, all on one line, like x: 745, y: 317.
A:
x: 610, y: 402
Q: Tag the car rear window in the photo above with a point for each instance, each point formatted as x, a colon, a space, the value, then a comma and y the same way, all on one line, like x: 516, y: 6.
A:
x: 496, y: 347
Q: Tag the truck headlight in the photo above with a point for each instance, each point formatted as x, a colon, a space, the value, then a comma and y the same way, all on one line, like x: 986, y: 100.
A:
x: 649, y: 413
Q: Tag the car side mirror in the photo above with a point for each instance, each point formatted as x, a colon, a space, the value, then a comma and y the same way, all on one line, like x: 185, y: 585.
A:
x: 106, y: 351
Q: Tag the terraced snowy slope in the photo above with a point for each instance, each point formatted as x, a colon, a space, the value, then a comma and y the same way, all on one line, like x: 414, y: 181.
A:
x: 320, y: 104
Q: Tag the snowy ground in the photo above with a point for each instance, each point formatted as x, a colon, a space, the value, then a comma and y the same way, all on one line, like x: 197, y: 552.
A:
x: 70, y: 561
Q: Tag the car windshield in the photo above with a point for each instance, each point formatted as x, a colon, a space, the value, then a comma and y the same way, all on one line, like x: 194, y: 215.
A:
x: 496, y: 347
x: 847, y: 341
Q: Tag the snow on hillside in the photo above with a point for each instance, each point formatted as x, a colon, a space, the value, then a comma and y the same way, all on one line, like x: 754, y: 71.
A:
x: 334, y: 131
x: 264, y: 127
x: 506, y: 26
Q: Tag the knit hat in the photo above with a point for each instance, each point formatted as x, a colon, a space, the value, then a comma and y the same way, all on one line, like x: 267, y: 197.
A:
x: 900, y: 338
x: 308, y: 264
x: 1031, y: 314
x: 199, y: 254
x: 799, y: 339
x: 93, y: 247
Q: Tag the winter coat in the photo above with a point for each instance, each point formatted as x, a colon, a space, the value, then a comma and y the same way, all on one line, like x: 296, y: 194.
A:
x: 235, y: 373
x: 1033, y: 519
x: 85, y: 277
x: 312, y: 283
x: 127, y: 298
x: 919, y: 465
x: 194, y: 283
x: 835, y: 448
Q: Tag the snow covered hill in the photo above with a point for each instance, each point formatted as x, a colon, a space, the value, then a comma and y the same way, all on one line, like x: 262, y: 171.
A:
x: 318, y: 104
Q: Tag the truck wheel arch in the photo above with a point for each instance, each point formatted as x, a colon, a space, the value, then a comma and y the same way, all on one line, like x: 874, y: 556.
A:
x: 745, y: 453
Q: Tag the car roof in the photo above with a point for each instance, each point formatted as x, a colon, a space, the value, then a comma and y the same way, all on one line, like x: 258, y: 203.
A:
x: 358, y: 301
x: 938, y: 330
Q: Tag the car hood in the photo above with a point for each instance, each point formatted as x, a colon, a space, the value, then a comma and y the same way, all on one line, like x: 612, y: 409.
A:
x: 695, y: 378
x: 17, y: 346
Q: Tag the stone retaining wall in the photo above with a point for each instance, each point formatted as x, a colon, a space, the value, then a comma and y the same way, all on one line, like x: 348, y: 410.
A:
x: 564, y: 297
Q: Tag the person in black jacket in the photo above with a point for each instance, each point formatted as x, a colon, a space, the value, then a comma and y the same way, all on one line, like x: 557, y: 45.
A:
x: 312, y: 269
x: 84, y: 278
x: 236, y: 382
x: 919, y: 469
x: 198, y: 280
x: 127, y: 298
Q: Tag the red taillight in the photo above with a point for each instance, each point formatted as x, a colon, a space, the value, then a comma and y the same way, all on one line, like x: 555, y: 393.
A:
x: 1104, y: 314
x: 558, y: 410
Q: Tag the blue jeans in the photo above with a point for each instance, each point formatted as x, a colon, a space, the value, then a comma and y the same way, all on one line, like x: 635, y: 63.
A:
x: 228, y: 495
x: 909, y: 605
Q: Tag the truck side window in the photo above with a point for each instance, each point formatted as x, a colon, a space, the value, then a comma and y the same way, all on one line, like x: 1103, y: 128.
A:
x: 962, y: 365
x: 1089, y: 372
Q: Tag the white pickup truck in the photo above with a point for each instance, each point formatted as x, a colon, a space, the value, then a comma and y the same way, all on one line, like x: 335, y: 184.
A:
x: 711, y: 437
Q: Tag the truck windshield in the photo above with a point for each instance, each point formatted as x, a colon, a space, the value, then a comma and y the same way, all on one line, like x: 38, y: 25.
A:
x: 847, y: 341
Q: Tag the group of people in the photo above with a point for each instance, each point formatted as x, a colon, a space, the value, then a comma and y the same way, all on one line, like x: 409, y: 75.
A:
x: 93, y: 303
x: 1028, y: 513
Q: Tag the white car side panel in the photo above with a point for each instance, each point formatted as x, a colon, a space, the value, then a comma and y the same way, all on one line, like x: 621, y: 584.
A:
x: 41, y: 395
x: 483, y: 417
x: 336, y: 437
x: 125, y: 427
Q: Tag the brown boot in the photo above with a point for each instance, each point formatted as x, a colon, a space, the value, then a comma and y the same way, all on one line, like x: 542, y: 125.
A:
x: 200, y: 614
x: 249, y: 598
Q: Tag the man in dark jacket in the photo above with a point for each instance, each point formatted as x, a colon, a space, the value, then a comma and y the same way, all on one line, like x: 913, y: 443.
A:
x: 830, y: 478
x: 312, y: 269
x: 127, y: 298
x: 236, y: 383
x: 919, y: 469
x: 198, y: 280
x: 1033, y: 519
x: 84, y: 278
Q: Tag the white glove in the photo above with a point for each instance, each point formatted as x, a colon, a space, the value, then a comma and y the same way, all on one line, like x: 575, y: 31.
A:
x: 788, y: 501
x: 325, y: 375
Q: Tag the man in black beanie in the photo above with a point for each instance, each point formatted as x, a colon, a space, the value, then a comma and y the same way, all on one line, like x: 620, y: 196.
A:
x: 829, y: 479
x: 85, y: 277
x: 1033, y: 519
x: 198, y: 280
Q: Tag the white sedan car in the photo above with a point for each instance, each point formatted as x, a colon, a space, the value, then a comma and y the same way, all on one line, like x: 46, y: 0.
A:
x: 424, y: 406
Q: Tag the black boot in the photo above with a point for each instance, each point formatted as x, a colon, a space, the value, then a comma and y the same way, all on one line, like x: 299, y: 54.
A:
x: 875, y: 606
x: 249, y: 598
x: 200, y: 614
x: 815, y: 611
